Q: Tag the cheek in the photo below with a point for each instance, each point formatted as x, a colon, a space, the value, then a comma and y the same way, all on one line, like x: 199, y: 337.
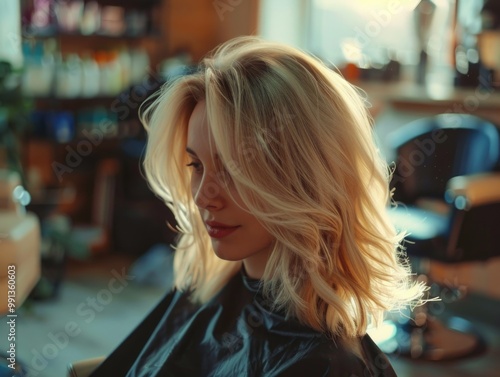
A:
x: 268, y: 238
x: 196, y: 190
x: 261, y: 235
x: 238, y: 201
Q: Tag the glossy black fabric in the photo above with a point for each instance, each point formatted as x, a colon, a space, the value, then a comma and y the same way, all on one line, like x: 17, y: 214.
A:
x: 235, y: 334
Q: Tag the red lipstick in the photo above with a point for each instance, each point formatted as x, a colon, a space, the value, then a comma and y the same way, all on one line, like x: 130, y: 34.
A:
x: 219, y: 230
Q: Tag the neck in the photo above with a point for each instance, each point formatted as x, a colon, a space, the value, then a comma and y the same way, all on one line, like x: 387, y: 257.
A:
x: 256, y: 264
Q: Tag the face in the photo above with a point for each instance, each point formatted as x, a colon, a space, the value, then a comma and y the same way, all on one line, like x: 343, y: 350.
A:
x: 236, y: 234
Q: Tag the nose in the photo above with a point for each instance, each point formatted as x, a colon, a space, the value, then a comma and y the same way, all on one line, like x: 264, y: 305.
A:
x: 208, y: 193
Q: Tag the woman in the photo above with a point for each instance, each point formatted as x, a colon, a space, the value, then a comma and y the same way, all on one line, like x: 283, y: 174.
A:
x: 286, y: 254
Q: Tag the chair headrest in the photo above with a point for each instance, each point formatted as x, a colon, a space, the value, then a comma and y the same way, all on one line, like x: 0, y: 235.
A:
x: 473, y: 190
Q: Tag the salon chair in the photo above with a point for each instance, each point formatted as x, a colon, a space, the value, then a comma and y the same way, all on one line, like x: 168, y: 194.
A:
x: 63, y: 238
x: 84, y: 368
x: 430, y: 151
x: 448, y: 200
x: 96, y: 237
x: 19, y: 254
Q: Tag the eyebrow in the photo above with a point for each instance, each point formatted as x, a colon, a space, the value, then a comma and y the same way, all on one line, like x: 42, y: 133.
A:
x: 193, y: 153
x: 190, y: 151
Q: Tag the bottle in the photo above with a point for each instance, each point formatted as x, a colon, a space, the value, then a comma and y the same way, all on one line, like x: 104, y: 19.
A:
x: 74, y: 71
x: 90, y: 77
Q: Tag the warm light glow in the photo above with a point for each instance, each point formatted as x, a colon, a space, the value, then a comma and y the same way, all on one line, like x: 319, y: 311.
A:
x: 407, y: 5
x: 385, y: 336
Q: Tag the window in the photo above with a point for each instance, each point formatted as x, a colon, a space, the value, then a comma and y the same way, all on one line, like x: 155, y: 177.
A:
x: 365, y: 32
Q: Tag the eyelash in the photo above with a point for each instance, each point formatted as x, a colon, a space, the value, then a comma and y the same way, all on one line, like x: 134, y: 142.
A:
x: 197, y: 167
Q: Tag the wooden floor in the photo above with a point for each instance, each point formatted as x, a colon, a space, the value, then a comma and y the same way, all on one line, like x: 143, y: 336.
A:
x: 99, y: 304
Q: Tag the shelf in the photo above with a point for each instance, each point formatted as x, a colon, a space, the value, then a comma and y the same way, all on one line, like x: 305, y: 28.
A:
x: 66, y: 35
x: 138, y: 4
x: 51, y: 99
x: 431, y: 95
x: 135, y: 20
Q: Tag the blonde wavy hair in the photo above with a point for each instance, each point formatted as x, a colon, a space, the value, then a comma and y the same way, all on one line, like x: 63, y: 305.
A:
x: 296, y: 141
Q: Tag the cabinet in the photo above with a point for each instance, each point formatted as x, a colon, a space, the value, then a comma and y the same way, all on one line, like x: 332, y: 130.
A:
x: 88, y: 66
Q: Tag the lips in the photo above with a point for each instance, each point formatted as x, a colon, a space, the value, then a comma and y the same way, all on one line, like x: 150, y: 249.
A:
x: 219, y: 230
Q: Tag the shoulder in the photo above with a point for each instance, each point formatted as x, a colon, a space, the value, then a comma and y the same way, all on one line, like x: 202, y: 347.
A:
x: 332, y: 359
x: 377, y: 360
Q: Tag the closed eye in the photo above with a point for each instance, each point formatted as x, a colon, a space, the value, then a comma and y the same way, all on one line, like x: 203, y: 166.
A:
x: 197, y: 166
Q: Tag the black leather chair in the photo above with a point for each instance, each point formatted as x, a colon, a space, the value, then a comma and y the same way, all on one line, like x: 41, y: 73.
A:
x: 443, y: 165
x: 430, y: 151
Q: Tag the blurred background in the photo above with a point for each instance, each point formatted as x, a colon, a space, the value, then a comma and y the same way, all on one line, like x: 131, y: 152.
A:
x: 90, y: 243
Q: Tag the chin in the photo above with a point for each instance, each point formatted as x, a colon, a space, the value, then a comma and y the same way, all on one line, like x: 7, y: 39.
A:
x: 227, y: 256
x: 225, y: 253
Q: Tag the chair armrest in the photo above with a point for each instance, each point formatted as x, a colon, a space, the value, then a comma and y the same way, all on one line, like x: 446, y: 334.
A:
x: 85, y: 367
x: 476, y: 189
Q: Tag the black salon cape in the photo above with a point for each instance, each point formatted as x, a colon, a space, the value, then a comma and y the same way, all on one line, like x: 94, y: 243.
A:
x: 234, y: 334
